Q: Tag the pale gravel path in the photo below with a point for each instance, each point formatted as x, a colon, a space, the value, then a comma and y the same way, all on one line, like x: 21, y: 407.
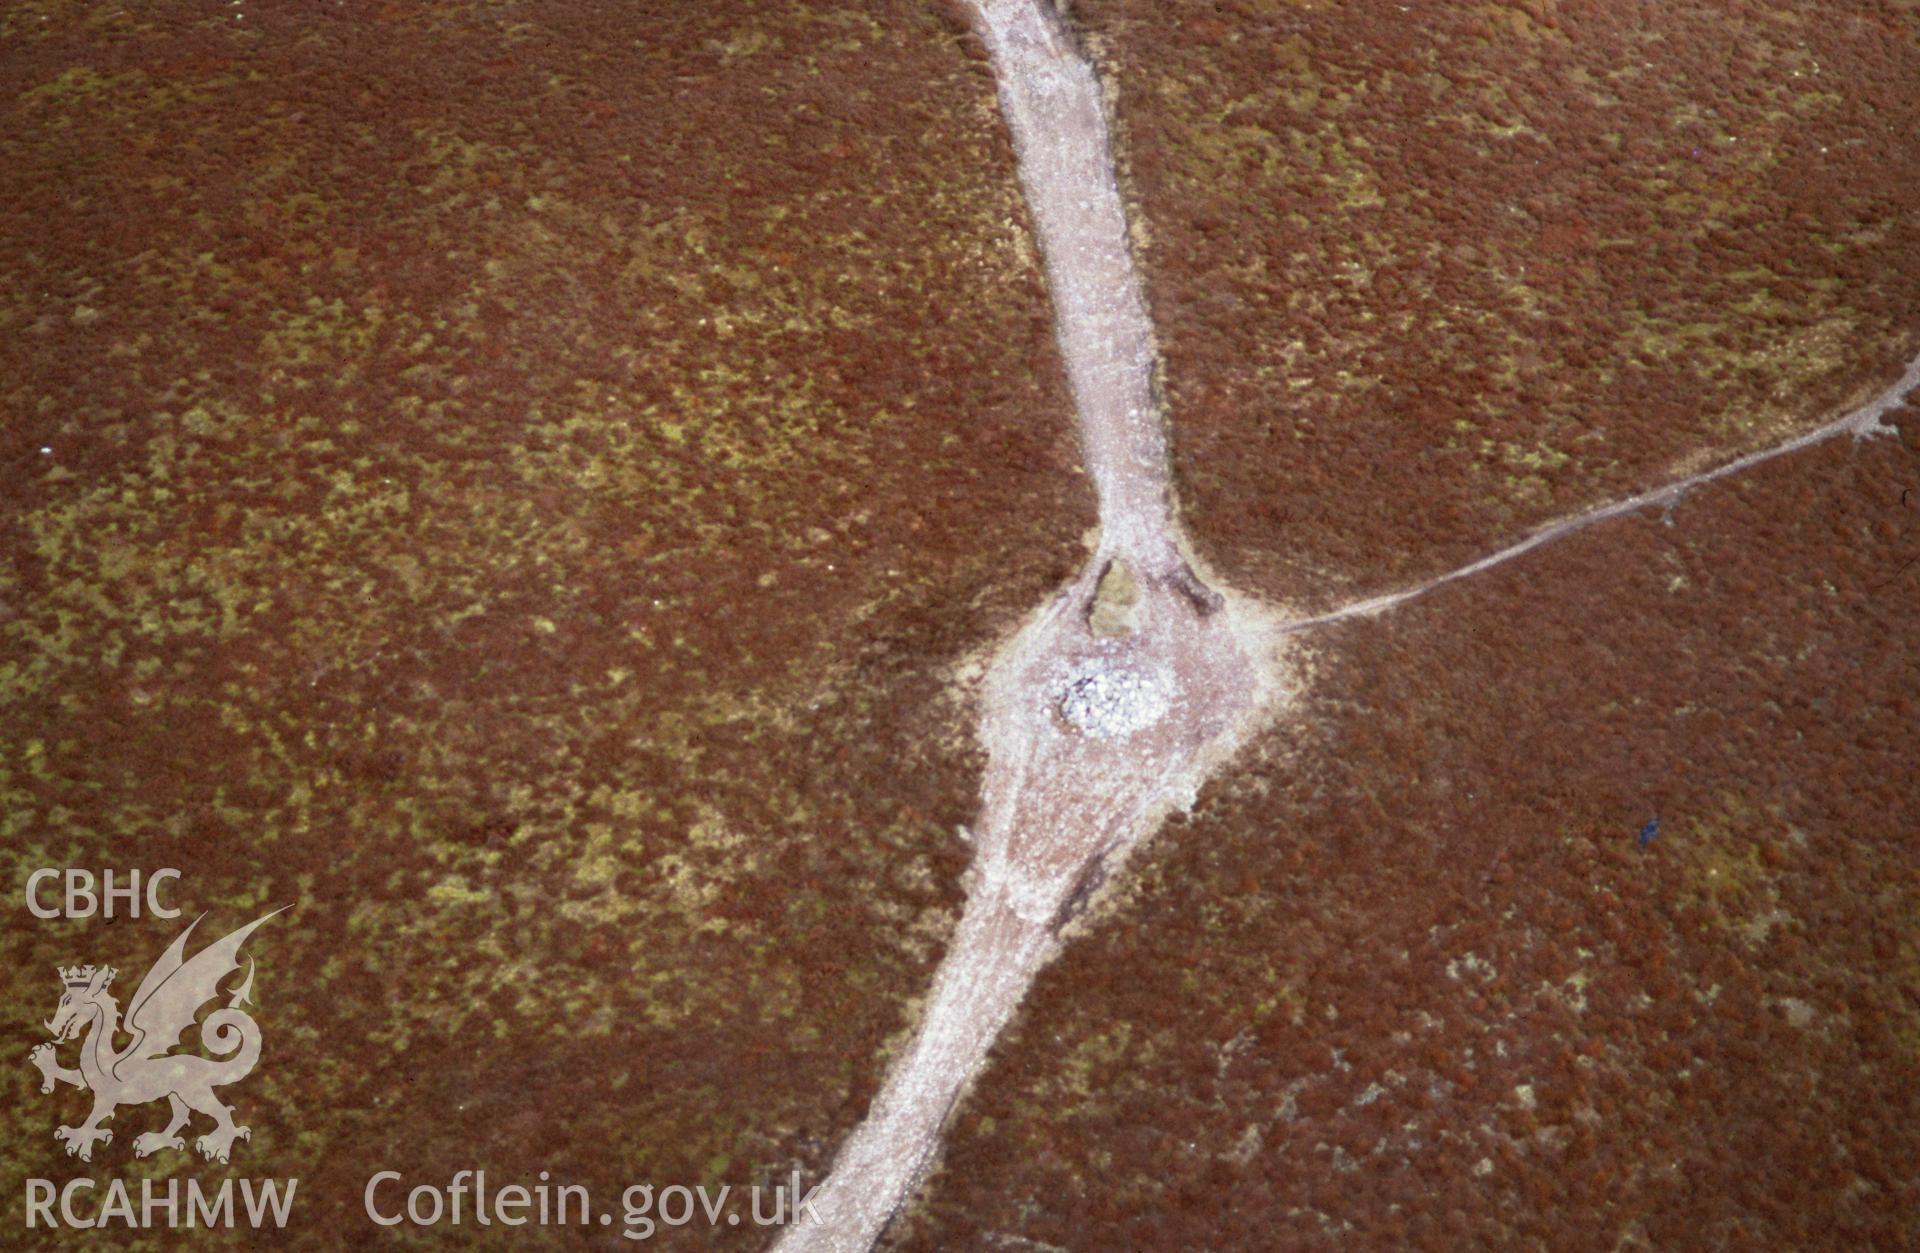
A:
x: 1061, y: 808
x: 1052, y: 104
x: 1061, y: 805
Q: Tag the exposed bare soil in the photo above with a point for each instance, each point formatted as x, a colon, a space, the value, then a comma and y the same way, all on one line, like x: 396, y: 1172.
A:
x: 1405, y: 978
x: 1063, y: 801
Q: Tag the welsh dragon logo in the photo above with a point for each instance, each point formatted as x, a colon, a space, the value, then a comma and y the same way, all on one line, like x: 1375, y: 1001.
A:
x: 164, y: 1007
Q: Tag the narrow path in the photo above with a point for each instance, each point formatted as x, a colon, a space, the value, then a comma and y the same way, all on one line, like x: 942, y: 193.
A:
x: 1134, y: 681
x: 1861, y: 423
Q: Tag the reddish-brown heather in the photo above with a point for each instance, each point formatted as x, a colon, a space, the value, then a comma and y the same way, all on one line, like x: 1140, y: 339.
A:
x: 1426, y: 279
x: 1705, y: 1041
x: 516, y: 483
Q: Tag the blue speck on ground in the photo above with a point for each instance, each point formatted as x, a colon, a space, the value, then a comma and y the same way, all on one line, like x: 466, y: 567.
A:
x: 1650, y: 832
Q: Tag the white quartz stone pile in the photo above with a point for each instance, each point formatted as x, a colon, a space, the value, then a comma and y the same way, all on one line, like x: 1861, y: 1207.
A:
x: 1105, y: 698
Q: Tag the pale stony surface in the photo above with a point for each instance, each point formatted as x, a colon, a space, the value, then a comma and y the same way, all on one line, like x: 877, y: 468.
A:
x: 1107, y: 697
x: 1100, y: 719
x: 1083, y: 761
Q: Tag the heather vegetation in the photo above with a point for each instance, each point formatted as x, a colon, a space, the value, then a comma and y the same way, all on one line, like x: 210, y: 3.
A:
x: 1412, y: 975
x: 512, y: 482
x: 1428, y: 276
x: 1407, y: 977
x: 518, y: 482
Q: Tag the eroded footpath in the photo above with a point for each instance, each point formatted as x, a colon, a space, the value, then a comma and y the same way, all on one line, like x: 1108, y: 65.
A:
x: 1135, y: 680
x: 1109, y: 708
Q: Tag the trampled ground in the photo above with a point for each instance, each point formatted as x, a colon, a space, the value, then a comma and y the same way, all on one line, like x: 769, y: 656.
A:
x: 534, y: 487
x: 1408, y: 979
